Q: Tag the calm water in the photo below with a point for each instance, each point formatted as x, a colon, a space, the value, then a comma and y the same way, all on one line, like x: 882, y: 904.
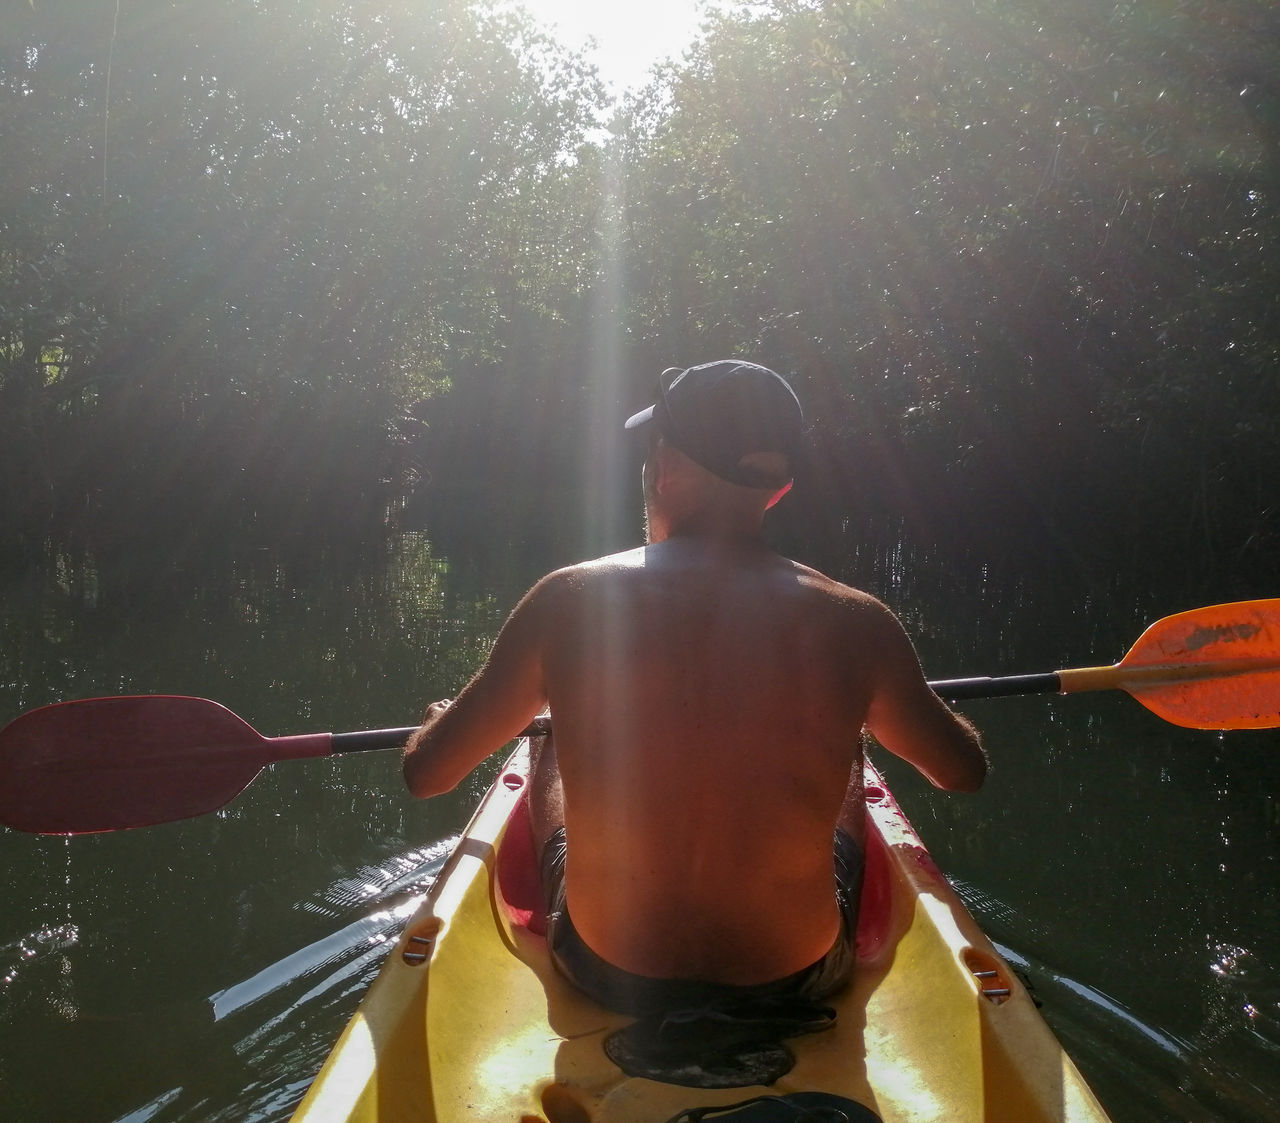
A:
x: 200, y: 970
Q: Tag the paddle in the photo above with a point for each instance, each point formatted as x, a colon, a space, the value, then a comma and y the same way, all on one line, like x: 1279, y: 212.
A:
x: 1210, y: 668
x: 106, y: 764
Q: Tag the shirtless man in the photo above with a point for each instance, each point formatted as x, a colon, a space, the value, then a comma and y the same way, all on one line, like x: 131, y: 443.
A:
x: 708, y: 698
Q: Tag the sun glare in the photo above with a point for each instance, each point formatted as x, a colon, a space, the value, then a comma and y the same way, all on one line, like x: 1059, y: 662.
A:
x: 629, y: 37
x: 624, y: 41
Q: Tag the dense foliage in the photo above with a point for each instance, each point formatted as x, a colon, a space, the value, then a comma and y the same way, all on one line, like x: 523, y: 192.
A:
x: 292, y: 257
x: 1022, y: 254
x: 240, y: 240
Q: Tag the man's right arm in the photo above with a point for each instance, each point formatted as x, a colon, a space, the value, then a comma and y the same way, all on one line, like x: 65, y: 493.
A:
x: 506, y: 693
x: 911, y: 721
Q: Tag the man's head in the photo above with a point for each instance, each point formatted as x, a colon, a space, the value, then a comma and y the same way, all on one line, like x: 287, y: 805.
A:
x: 739, y: 421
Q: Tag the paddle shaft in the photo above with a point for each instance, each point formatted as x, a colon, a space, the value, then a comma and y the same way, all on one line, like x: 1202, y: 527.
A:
x: 369, y: 740
x: 956, y: 690
x: 1076, y: 680
x: 1003, y: 686
x: 1070, y: 681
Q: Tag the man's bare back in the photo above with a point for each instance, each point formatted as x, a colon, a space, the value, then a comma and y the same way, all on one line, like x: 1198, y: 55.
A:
x: 708, y: 698
x: 703, y: 772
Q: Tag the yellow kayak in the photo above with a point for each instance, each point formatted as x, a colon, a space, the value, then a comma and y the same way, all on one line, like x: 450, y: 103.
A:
x: 468, y: 1019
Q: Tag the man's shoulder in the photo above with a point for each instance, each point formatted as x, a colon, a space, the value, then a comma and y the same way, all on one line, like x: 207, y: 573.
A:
x: 594, y: 568
x: 836, y: 591
x: 649, y: 566
x: 573, y: 579
x: 853, y: 614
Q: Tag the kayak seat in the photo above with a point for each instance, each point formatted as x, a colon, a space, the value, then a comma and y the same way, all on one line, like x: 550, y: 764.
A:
x: 721, y: 1046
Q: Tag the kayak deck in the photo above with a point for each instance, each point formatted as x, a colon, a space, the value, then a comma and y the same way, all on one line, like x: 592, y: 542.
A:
x: 469, y: 1020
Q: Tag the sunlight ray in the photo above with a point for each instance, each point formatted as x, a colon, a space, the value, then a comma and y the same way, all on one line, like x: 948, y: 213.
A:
x: 623, y: 40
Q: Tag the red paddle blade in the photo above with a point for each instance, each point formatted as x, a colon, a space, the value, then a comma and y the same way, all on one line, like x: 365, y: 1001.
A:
x: 106, y: 764
x: 1228, y: 656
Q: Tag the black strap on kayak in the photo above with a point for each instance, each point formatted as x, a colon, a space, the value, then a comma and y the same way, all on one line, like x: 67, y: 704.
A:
x: 721, y: 1045
x: 799, y: 1107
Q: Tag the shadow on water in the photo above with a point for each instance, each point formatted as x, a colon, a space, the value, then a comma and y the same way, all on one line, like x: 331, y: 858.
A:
x: 200, y: 970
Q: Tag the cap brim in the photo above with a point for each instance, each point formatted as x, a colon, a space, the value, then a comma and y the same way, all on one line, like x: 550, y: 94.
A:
x: 641, y: 418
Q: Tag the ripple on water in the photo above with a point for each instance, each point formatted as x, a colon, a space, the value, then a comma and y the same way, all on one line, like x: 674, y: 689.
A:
x: 48, y: 939
x: 411, y: 872
x: 269, y: 1033
x: 1131, y: 1062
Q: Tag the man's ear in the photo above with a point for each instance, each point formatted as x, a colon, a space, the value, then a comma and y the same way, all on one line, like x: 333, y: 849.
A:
x: 664, y: 458
x: 777, y: 495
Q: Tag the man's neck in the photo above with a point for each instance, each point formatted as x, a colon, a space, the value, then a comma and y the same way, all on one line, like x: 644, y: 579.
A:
x: 709, y: 528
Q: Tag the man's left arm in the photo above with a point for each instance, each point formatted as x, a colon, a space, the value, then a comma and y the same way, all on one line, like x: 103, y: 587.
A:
x: 503, y: 697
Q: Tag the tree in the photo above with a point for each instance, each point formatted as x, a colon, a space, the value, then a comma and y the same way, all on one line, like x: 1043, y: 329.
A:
x: 989, y: 237
x: 254, y: 233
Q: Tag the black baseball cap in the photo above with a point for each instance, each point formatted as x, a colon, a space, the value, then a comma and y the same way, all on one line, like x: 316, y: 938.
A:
x: 719, y: 413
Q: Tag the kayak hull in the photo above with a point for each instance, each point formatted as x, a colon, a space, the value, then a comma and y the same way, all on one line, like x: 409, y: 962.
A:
x: 468, y: 1019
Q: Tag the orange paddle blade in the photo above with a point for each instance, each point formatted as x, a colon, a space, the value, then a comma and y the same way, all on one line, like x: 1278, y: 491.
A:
x: 1210, y: 668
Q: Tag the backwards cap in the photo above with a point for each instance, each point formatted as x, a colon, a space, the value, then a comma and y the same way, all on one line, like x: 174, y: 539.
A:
x: 719, y: 414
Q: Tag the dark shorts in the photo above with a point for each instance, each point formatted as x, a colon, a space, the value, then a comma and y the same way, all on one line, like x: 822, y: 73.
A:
x: 642, y: 994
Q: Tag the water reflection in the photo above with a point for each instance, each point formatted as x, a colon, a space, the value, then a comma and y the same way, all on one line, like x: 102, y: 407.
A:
x: 110, y: 944
x: 1128, y: 867
x: 397, y: 886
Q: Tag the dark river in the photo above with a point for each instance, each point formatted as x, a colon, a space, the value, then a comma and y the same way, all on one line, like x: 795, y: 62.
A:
x: 200, y: 970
